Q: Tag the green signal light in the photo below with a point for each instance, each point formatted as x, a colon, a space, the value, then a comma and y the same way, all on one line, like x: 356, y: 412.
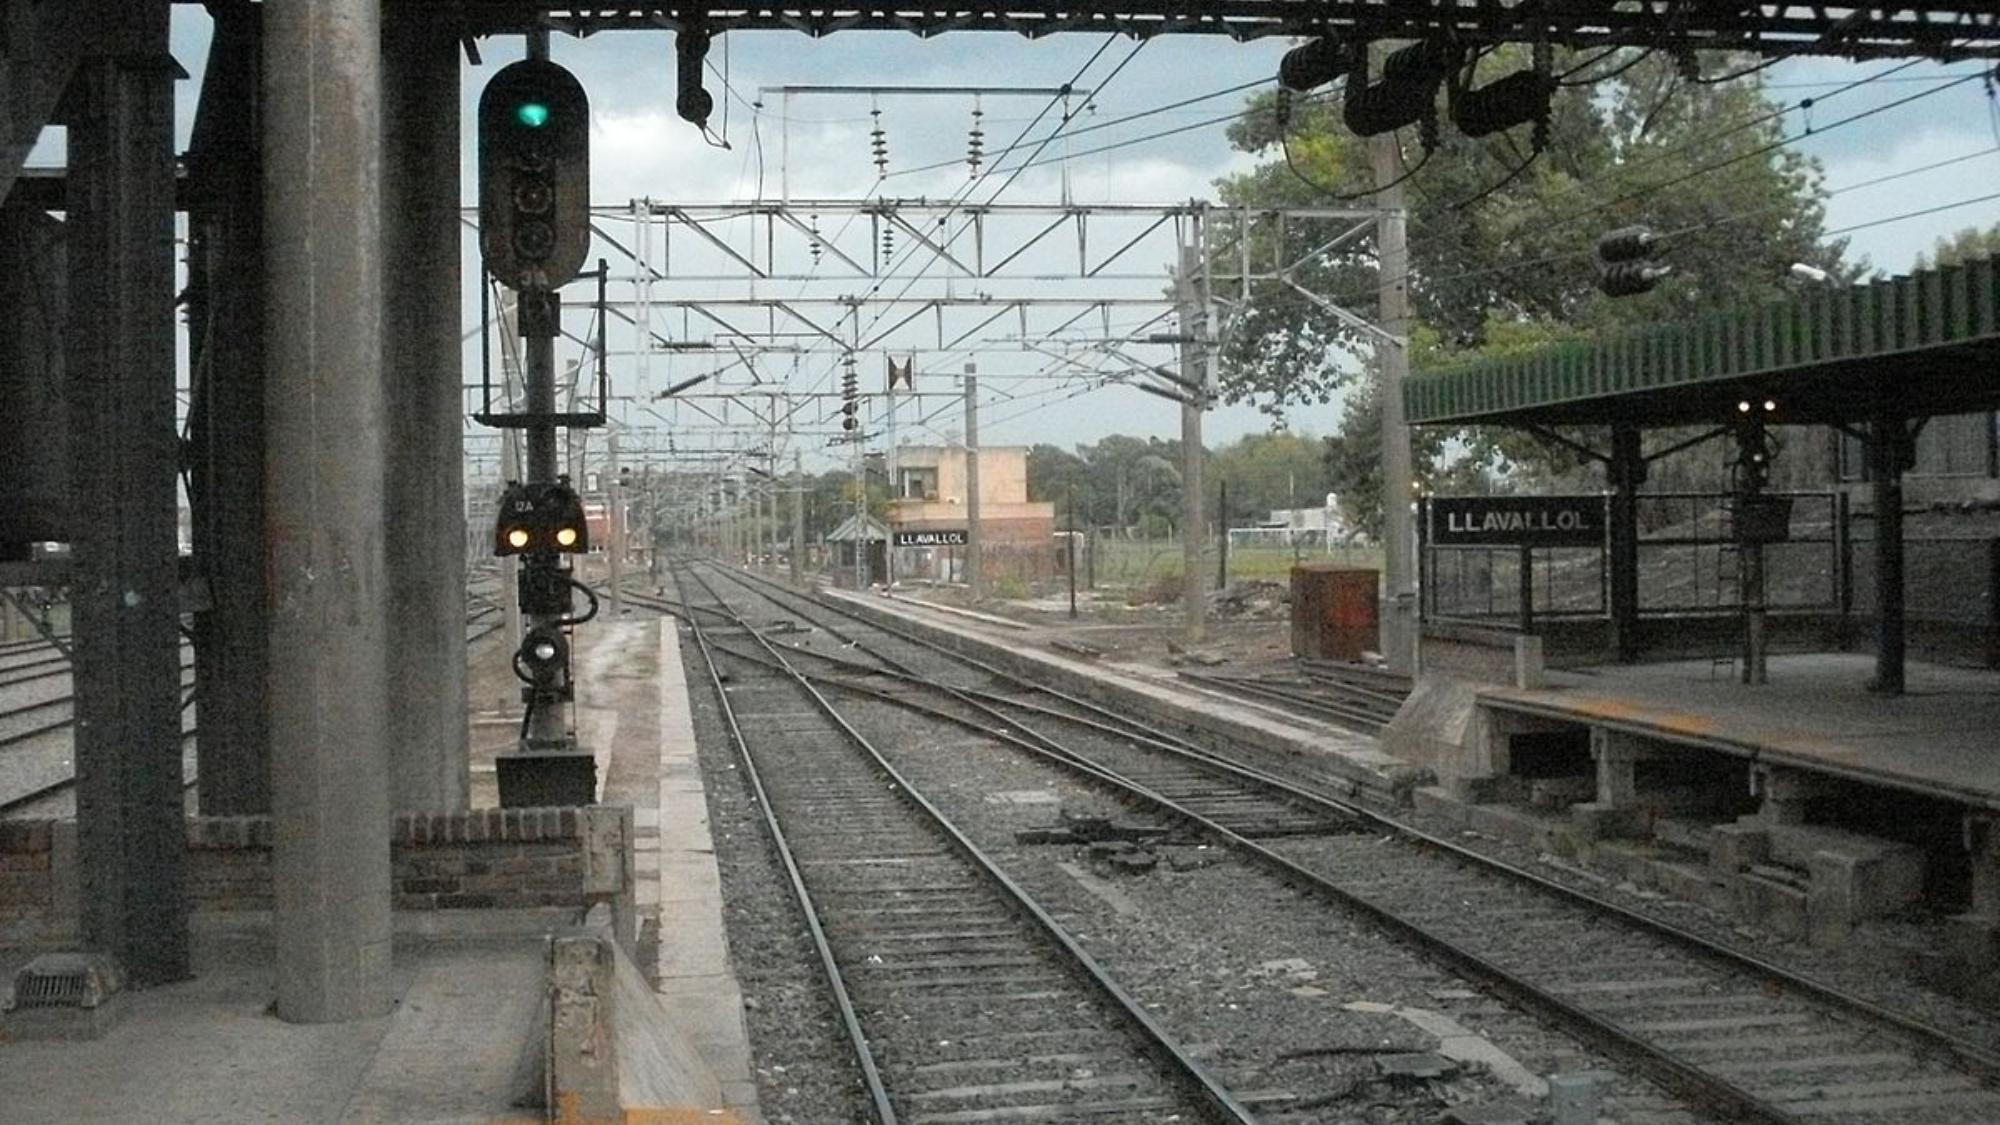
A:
x: 532, y: 114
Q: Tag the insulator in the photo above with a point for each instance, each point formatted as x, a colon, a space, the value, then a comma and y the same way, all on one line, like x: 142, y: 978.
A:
x: 1424, y: 61
x: 1406, y: 94
x: 692, y: 102
x: 812, y: 242
x: 1314, y: 64
x: 1517, y: 99
x: 1627, y: 279
x: 1628, y: 244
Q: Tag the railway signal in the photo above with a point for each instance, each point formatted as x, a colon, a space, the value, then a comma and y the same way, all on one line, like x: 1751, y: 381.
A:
x: 540, y: 518
x: 534, y: 175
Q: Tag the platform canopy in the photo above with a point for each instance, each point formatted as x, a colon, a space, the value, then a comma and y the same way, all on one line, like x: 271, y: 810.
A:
x: 1916, y: 346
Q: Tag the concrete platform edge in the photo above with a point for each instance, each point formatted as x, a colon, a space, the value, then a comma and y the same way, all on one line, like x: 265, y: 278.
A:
x: 1358, y: 771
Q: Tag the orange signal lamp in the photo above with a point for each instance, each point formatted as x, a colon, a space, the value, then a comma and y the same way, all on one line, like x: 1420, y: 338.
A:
x: 517, y: 537
x: 566, y: 537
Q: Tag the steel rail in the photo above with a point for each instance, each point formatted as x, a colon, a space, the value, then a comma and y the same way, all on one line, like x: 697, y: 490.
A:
x: 43, y: 792
x: 1295, y: 703
x: 1970, y: 1056
x: 878, y: 1096
x: 1205, y: 1088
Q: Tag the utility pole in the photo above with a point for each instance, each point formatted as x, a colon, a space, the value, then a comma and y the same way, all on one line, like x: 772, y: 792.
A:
x: 1222, y: 535
x: 1069, y: 542
x: 860, y: 515
x: 1392, y: 357
x: 615, y: 524
x: 972, y: 533
x: 798, y: 514
x: 1194, y: 596
x: 889, y: 463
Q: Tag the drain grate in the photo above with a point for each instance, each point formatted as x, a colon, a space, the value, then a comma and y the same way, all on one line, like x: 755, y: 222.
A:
x: 65, y: 980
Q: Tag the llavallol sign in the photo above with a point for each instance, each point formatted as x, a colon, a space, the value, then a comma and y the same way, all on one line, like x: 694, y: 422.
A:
x: 940, y: 537
x: 1519, y: 521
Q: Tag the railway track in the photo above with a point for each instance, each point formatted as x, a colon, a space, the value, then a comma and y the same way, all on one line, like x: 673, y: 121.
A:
x: 1345, y: 699
x: 56, y: 716
x: 964, y: 1001
x: 1743, y: 1038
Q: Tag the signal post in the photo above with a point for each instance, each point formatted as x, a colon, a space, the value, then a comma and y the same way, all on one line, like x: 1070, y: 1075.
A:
x: 534, y: 233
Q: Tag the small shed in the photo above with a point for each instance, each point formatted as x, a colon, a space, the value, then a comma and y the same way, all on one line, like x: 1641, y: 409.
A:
x: 866, y: 535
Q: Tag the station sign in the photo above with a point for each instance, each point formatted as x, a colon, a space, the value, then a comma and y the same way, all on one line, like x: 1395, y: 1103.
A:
x: 940, y: 537
x: 1517, y: 521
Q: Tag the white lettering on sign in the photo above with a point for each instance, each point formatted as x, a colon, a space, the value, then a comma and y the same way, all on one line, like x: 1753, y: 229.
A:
x: 1487, y: 523
x: 944, y: 538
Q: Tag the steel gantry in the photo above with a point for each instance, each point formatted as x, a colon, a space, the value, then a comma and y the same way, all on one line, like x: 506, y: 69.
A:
x: 1939, y: 29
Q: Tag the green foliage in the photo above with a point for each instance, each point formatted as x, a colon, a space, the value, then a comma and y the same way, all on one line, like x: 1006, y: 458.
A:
x: 1120, y: 481
x: 1969, y: 243
x: 1515, y: 269
x: 1265, y: 472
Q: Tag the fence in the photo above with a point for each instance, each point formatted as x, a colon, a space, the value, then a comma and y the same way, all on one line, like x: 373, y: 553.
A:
x: 1690, y: 567
x: 1689, y: 563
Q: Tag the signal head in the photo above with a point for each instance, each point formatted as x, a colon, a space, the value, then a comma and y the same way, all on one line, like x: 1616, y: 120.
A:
x: 534, y: 175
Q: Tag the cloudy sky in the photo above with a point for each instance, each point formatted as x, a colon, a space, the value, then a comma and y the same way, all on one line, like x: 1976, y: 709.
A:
x: 818, y: 145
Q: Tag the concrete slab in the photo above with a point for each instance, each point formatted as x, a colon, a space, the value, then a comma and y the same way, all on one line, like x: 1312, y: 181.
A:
x: 209, y: 1051
x: 1815, y: 714
x: 695, y: 980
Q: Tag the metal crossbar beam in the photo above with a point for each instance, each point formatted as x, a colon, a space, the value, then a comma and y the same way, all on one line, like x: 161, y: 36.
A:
x: 1768, y: 28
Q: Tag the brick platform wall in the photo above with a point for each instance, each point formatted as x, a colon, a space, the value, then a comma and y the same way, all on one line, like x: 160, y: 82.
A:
x: 482, y: 859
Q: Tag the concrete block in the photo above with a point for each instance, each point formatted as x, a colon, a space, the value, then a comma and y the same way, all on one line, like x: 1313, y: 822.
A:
x: 1558, y: 793
x: 1592, y: 821
x: 1851, y: 885
x: 1435, y: 800
x: 1530, y: 668
x: 582, y: 1052
x: 1771, y: 906
x: 1734, y: 847
x: 1972, y: 942
x: 1983, y: 835
x: 1577, y: 1099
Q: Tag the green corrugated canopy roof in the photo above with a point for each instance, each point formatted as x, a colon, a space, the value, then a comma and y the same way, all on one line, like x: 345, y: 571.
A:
x: 1923, y: 344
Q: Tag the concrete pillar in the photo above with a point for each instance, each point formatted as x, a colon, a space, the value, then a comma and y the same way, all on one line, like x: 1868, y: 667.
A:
x: 226, y: 481
x: 1983, y: 835
x: 1785, y: 793
x: 329, y: 682
x: 1194, y: 579
x: 424, y: 536
x: 1399, y: 624
x: 132, y: 843
x: 798, y: 515
x: 1617, y: 756
x: 1616, y: 811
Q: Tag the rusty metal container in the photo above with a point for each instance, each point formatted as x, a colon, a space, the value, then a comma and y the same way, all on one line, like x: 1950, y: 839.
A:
x: 1335, y: 611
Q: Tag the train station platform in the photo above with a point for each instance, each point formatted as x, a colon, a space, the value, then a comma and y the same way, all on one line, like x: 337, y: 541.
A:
x: 472, y: 964
x: 1290, y: 744
x: 1815, y: 715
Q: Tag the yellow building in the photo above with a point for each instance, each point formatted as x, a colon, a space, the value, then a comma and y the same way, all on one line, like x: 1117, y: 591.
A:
x: 928, y: 521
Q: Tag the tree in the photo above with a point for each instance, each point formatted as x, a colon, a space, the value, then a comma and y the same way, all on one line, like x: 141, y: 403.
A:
x: 1969, y: 243
x: 1266, y: 472
x: 1499, y: 263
